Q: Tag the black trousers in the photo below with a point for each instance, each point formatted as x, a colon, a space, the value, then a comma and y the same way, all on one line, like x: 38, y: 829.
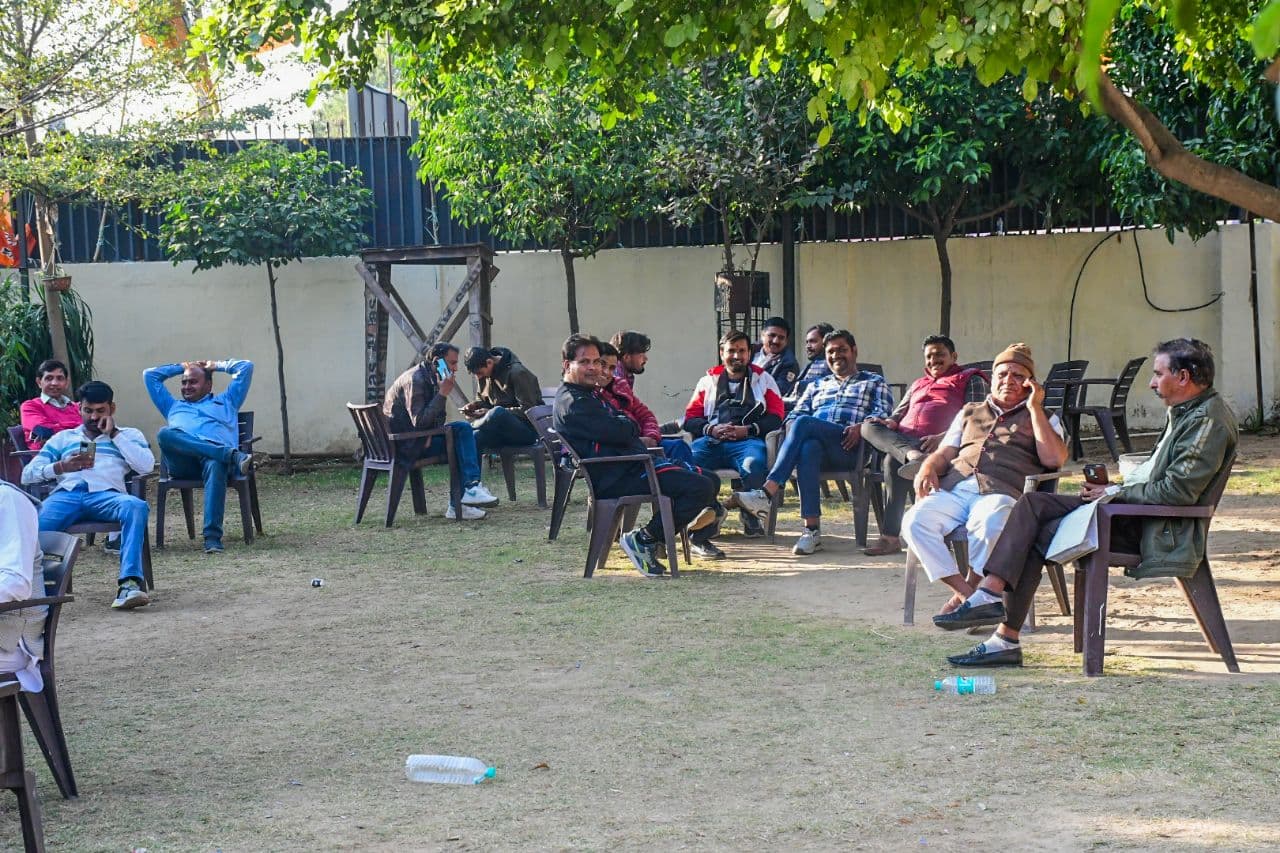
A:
x: 1018, y: 557
x: 690, y: 493
x: 894, y: 445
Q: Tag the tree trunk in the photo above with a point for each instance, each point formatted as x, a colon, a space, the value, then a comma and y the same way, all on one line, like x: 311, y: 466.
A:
x: 48, y: 258
x: 284, y: 396
x: 1167, y: 156
x: 944, y: 263
x: 571, y: 286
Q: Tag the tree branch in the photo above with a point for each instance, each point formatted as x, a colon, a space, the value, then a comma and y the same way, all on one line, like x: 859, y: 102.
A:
x: 1170, y: 158
x: 1014, y: 200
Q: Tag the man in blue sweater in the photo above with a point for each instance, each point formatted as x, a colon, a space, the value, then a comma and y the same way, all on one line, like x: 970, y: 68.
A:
x: 202, y: 440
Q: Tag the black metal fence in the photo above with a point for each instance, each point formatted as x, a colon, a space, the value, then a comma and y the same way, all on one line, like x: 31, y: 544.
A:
x: 407, y: 211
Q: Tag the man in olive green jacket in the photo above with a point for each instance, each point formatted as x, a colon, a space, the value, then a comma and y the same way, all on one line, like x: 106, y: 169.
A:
x: 1198, y: 441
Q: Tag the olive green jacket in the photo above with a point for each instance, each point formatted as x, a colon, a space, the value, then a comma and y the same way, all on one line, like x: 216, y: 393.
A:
x: 1198, y: 439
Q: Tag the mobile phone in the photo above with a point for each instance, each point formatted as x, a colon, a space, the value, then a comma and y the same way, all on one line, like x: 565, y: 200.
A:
x: 1095, y: 473
x: 88, y: 448
x: 442, y: 368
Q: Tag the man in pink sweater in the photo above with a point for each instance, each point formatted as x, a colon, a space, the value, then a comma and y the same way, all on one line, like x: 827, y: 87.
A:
x: 51, y: 412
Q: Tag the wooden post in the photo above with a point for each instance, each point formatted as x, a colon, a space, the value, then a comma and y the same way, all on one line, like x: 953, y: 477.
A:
x: 375, y: 349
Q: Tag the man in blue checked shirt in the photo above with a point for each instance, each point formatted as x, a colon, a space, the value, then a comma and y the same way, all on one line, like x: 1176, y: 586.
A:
x: 823, y: 431
x: 202, y: 440
x: 90, y: 463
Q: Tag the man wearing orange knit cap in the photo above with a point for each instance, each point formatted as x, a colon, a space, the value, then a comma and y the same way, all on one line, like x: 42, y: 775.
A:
x: 977, y: 473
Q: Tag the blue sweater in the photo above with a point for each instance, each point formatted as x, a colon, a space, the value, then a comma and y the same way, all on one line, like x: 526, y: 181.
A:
x: 214, y: 418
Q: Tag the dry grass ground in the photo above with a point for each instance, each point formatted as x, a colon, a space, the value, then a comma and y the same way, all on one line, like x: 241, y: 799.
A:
x: 764, y: 702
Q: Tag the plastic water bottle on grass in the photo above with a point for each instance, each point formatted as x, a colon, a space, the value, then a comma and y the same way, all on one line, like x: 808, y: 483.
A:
x: 964, y: 685
x: 448, y: 769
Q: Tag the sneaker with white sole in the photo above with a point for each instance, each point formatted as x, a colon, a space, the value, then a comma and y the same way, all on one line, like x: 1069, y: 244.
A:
x: 706, y: 550
x: 809, y: 541
x: 642, y: 554
x: 478, y: 495
x: 757, y: 502
x: 469, y: 513
x: 129, y: 596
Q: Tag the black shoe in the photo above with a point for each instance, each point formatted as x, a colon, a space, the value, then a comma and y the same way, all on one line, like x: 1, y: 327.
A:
x: 706, y: 550
x: 751, y: 526
x: 967, y: 616
x: 979, y: 656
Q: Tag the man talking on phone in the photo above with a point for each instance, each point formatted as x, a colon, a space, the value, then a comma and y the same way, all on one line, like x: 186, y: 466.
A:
x: 90, y: 463
x: 977, y: 473
x: 1199, y: 436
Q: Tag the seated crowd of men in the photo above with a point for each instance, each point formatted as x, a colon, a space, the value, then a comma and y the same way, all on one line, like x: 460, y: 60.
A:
x: 964, y: 464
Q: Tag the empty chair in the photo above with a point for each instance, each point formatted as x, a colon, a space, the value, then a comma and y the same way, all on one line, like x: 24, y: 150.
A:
x: 384, y: 451
x: 1112, y: 418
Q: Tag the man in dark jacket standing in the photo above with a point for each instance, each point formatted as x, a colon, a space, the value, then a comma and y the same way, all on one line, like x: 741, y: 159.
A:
x: 594, y: 429
x: 1199, y: 437
x: 507, y: 390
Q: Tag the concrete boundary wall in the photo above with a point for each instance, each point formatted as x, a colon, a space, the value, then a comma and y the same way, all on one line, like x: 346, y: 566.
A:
x: 1005, y: 289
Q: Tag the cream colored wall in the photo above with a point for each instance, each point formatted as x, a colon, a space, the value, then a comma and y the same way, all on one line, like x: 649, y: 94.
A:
x: 1005, y: 289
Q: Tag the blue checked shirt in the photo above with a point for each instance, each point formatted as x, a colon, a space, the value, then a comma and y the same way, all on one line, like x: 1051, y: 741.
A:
x: 113, y: 459
x: 846, y: 402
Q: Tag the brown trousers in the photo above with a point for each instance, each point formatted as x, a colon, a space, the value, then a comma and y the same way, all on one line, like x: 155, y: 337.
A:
x: 1018, y: 556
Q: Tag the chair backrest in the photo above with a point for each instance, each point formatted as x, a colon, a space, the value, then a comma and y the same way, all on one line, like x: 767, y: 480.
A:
x: 549, y: 394
x: 18, y: 438
x: 984, y: 366
x: 244, y: 426
x: 540, y: 417
x: 11, y: 464
x: 60, y: 553
x: 372, y: 428
x: 1055, y: 392
x: 871, y: 367
x: 1120, y: 393
x: 977, y: 389
x: 1218, y: 484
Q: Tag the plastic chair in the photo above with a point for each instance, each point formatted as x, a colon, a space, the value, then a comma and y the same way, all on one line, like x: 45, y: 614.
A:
x: 383, y: 452
x: 1112, y: 418
x: 13, y: 770
x: 246, y: 489
x: 565, y: 472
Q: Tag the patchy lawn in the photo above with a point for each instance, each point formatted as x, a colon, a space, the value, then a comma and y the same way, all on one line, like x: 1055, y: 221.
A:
x: 764, y: 702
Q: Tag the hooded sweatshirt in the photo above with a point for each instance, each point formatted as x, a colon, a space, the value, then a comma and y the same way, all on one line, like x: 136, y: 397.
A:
x: 511, y: 384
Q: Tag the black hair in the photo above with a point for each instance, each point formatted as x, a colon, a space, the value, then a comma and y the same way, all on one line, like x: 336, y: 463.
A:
x: 476, y: 357
x: 939, y: 339
x: 630, y: 342
x: 95, y: 392
x: 839, y: 333
x: 607, y: 348
x: 48, y: 366
x: 440, y: 349
x: 824, y: 329
x: 778, y: 323
x: 1191, y: 355
x: 577, y: 341
x: 734, y: 335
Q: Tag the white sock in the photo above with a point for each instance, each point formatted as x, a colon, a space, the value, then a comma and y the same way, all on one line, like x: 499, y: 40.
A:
x: 981, y: 596
x: 997, y: 642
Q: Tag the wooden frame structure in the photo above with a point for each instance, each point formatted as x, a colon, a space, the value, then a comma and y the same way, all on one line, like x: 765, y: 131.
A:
x: 470, y: 302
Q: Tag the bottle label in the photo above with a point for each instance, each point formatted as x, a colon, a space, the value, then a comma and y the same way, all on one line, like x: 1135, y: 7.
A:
x: 964, y: 685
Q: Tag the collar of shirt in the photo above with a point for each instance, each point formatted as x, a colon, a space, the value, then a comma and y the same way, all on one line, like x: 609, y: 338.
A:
x: 56, y: 402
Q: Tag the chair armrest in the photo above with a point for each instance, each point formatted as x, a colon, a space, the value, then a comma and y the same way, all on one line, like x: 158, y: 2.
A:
x: 632, y: 457
x: 35, y: 602
x: 250, y: 442
x: 657, y: 453
x: 137, y: 484
x: 1155, y: 511
x: 1097, y: 380
x: 27, y: 453
x: 1033, y: 481
x: 409, y: 436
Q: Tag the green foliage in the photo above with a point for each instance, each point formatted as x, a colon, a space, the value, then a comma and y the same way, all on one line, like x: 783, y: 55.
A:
x: 263, y: 205
x: 24, y: 343
x: 534, y: 163
x: 738, y: 142
x: 68, y: 167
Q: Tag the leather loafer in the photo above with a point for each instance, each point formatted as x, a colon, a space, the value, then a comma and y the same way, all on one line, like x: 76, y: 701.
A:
x: 968, y: 616
x: 979, y: 656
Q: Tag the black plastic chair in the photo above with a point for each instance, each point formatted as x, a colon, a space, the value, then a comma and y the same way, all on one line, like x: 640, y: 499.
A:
x: 246, y: 488
x: 1062, y: 385
x: 565, y: 472
x: 383, y: 450
x: 1112, y: 418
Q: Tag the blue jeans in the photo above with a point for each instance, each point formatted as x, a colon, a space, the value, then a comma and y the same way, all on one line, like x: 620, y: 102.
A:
x: 503, y: 428
x: 677, y: 450
x: 64, y: 508
x: 189, y: 457
x: 464, y: 447
x: 810, y: 446
x: 749, y: 457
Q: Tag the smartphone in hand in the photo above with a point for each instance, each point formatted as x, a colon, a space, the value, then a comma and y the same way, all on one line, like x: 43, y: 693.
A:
x: 1095, y: 473
x: 442, y: 369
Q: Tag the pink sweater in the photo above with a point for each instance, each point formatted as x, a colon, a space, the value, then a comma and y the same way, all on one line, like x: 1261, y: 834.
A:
x: 36, y: 412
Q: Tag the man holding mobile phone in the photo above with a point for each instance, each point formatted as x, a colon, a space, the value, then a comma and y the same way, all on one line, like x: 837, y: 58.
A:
x: 90, y: 463
x: 507, y: 389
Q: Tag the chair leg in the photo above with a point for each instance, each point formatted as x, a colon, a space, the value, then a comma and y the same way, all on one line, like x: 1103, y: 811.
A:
x: 16, y: 776
x: 826, y: 490
x: 1077, y: 621
x: 1122, y: 427
x: 559, y: 501
x: 540, y: 475
x: 861, y: 505
x: 257, y: 509
x: 1073, y: 426
x: 246, y: 510
x: 418, y: 492
x: 147, y: 577
x: 455, y: 483
x: 844, y: 492
x: 395, y: 487
x: 1059, y: 581
x: 509, y: 473
x: 629, y: 515
x: 772, y: 526
x: 1108, y: 429
x: 368, y: 477
x: 1202, y: 595
x: 189, y: 511
x: 669, y: 532
x: 600, y: 537
x: 910, y: 576
x: 162, y: 496
x: 41, y: 710
x: 1096, y: 581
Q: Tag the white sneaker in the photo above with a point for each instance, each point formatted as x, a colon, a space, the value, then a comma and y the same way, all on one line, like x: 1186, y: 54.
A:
x: 469, y: 513
x: 809, y: 541
x: 478, y: 495
x: 757, y: 502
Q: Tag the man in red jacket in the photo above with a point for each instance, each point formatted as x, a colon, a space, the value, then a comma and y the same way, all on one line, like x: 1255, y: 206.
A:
x: 617, y: 391
x: 51, y: 412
